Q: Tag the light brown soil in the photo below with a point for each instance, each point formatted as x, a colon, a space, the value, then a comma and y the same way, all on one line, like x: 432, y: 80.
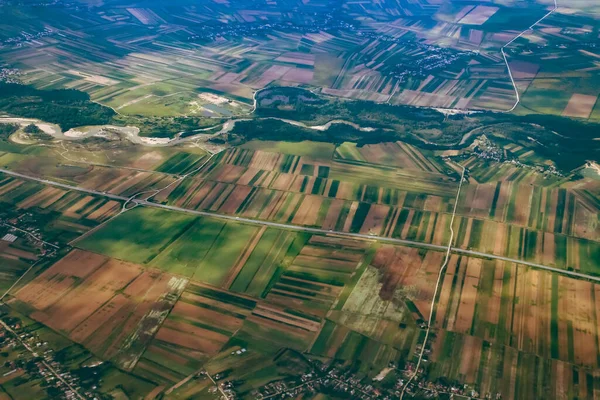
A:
x: 308, y: 212
x: 333, y: 214
x: 189, y: 340
x: 235, y: 199
x: 468, y: 296
x: 375, y: 219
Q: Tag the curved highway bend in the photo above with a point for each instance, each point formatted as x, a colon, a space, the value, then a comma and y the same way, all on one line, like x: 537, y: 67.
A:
x: 302, y: 228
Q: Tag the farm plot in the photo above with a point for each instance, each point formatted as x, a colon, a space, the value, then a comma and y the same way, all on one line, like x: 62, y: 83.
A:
x: 530, y: 310
x: 59, y: 215
x: 407, y: 180
x: 300, y: 191
x: 120, y: 181
x: 316, y: 272
x: 208, y: 250
x: 345, y: 179
x: 410, y: 274
x: 137, y: 235
x: 398, y: 154
x: 507, y: 372
x: 264, y: 262
x: 314, y: 150
x: 228, y: 254
x: 112, y: 307
x: 72, y: 205
x: 200, y: 324
x: 388, y: 321
x: 16, y: 256
x: 109, y: 379
x: 271, y: 327
x: 517, y: 242
x: 369, y: 356
x: 181, y: 163
x: 251, y: 370
x: 123, y: 182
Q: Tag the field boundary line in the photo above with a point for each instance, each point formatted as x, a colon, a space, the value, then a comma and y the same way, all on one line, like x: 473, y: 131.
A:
x: 19, y: 279
x: 437, y: 286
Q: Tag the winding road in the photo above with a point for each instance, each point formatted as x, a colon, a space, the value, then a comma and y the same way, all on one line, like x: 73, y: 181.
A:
x: 518, y: 99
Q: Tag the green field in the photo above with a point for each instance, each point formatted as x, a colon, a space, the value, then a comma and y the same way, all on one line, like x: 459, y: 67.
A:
x: 138, y: 235
x: 206, y: 251
x: 317, y: 150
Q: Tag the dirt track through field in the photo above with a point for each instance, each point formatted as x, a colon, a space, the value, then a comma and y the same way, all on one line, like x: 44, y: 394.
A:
x: 437, y: 288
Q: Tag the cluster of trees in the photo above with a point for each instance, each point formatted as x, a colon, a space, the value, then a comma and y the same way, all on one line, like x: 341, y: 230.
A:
x: 67, y: 108
x: 7, y: 129
x: 166, y: 126
x: 407, y: 122
x: 568, y: 142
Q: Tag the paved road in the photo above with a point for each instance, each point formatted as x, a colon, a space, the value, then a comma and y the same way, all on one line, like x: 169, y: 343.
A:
x: 510, y: 75
x: 302, y: 228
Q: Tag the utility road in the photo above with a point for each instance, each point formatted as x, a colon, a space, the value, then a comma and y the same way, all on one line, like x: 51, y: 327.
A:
x: 510, y: 74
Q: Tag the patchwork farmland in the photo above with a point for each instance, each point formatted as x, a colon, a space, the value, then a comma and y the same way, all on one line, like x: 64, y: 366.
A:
x: 372, y: 55
x: 517, y: 326
x: 220, y: 286
x: 172, y: 297
x: 110, y: 306
x: 210, y: 259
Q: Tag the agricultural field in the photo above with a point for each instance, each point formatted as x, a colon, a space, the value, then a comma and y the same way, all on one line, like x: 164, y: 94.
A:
x: 164, y: 61
x: 17, y: 254
x: 58, y: 215
x: 110, y: 306
x: 22, y: 380
x: 399, y: 154
x: 304, y: 199
x: 138, y: 235
x: 170, y: 296
x: 329, y: 194
x: 555, y: 78
x: 505, y: 370
x: 220, y: 286
x: 276, y: 287
x: 124, y: 181
x: 515, y: 325
x: 516, y: 306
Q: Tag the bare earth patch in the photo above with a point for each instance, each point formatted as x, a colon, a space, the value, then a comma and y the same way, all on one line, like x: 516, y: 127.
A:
x: 580, y: 106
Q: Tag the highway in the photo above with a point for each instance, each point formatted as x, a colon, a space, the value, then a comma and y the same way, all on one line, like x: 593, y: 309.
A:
x: 279, y: 225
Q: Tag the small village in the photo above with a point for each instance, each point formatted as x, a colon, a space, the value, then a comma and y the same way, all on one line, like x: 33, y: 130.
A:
x: 29, y: 358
